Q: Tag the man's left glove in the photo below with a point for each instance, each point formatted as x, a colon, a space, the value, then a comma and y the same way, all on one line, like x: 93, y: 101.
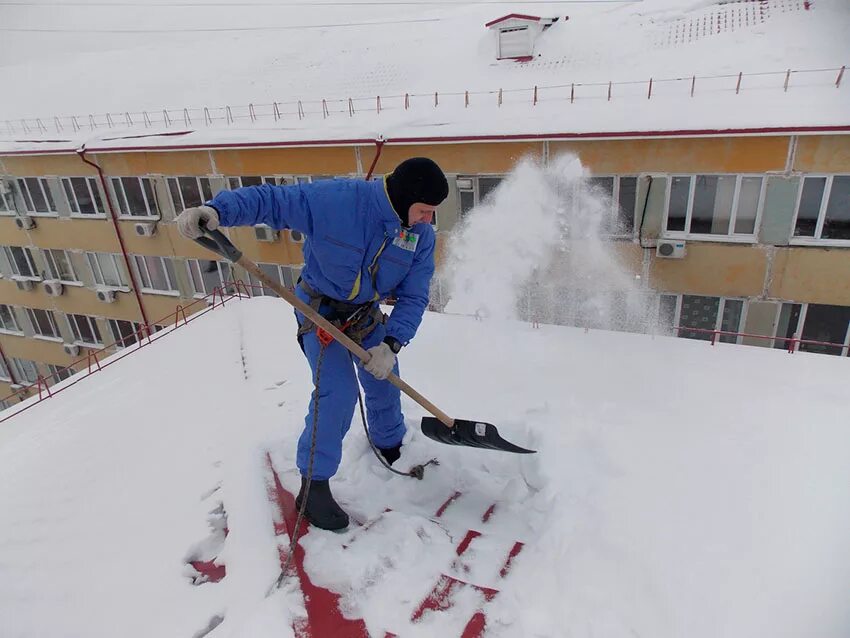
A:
x: 381, y: 362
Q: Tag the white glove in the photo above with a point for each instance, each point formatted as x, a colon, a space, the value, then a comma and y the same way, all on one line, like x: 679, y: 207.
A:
x: 381, y: 362
x: 189, y: 221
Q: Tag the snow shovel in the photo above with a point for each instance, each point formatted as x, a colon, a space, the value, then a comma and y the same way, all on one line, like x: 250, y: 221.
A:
x: 440, y: 427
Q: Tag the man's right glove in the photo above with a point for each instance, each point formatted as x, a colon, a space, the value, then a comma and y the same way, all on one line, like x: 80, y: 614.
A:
x: 189, y: 221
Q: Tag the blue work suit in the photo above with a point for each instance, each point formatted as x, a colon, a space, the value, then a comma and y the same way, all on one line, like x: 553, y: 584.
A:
x: 355, y: 251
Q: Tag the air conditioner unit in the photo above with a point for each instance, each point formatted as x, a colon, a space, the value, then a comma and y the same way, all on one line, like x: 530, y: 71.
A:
x: 296, y: 236
x: 24, y: 222
x: 53, y: 287
x: 265, y: 233
x: 23, y: 284
x: 106, y: 296
x: 71, y: 349
x: 670, y: 249
x: 145, y: 229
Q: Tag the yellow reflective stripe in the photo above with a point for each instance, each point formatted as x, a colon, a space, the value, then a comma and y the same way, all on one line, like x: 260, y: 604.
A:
x: 356, y: 290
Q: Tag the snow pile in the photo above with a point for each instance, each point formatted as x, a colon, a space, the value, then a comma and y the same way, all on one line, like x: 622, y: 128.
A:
x: 539, y: 248
x: 677, y: 489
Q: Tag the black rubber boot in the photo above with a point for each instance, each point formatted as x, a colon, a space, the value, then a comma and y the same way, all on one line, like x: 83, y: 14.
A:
x: 391, y: 454
x: 322, y: 510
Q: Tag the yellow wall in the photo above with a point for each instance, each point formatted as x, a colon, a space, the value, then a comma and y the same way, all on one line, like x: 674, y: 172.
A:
x: 36, y: 350
x: 58, y: 232
x: 166, y: 163
x: 823, y: 153
x: 66, y: 165
x: 712, y: 269
x: 814, y: 275
x: 688, y: 155
x: 495, y: 157
x: 273, y: 161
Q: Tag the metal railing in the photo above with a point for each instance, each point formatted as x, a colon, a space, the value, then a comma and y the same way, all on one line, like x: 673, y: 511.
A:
x: 566, y: 93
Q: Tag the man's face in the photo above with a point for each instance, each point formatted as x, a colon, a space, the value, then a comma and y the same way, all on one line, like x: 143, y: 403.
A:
x: 419, y: 213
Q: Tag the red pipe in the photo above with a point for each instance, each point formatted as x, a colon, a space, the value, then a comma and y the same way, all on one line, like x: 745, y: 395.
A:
x: 379, y: 143
x: 82, y: 153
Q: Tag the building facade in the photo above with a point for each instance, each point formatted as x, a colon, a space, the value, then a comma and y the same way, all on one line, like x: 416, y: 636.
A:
x: 757, y: 227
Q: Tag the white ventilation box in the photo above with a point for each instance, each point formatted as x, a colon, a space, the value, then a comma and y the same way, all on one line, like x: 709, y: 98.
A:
x: 24, y: 222
x: 24, y: 284
x: 145, y: 229
x: 265, y: 233
x: 53, y: 287
x: 670, y: 248
x: 106, y: 296
x: 71, y: 349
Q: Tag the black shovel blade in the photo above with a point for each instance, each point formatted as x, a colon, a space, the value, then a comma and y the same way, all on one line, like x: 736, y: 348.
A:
x: 470, y: 434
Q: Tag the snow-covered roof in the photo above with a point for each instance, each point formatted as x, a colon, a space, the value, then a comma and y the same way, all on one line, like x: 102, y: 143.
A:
x: 646, y: 511
x: 307, y: 74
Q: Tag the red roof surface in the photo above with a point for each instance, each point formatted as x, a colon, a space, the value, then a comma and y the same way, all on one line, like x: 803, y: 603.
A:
x: 518, y: 16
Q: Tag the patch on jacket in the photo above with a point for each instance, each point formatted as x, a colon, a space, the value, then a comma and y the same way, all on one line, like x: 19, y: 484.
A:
x: 406, y: 240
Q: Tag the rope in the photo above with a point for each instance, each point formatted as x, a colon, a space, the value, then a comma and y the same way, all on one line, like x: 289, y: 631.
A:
x: 306, y: 494
x: 417, y: 471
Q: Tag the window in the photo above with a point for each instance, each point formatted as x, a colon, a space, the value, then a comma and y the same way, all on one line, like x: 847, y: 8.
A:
x: 823, y: 208
x: 4, y: 371
x: 125, y: 333
x: 7, y: 202
x: 58, y: 373
x: 83, y: 196
x: 187, y: 192
x: 286, y: 275
x: 716, y: 205
x: 25, y: 371
x: 786, y: 327
x: 156, y: 274
x: 705, y: 314
x: 206, y: 275
x: 826, y: 325
x: 256, y: 180
x: 106, y: 269
x: 19, y: 260
x: 473, y: 190
x: 59, y: 265
x: 43, y: 323
x: 8, y: 321
x: 622, y: 193
x: 36, y: 196
x: 135, y: 196
x: 85, y: 330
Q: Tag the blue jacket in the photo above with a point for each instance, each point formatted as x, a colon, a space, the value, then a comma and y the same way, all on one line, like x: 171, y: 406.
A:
x: 355, y: 248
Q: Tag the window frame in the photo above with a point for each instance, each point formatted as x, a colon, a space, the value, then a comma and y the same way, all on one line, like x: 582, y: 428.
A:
x: 50, y: 263
x: 173, y: 291
x: 60, y: 373
x: 220, y: 265
x: 475, y: 190
x: 94, y: 193
x: 615, y: 204
x: 7, y: 200
x: 27, y: 199
x: 27, y: 252
x: 804, y: 240
x: 731, y: 236
x: 119, y: 340
x: 718, y: 322
x: 174, y: 184
x: 77, y: 333
x: 3, y: 329
x: 36, y: 326
x: 92, y: 258
x: 17, y: 365
x: 123, y: 203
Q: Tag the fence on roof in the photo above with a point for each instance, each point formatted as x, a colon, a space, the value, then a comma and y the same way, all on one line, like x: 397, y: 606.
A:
x: 94, y: 362
x: 300, y: 109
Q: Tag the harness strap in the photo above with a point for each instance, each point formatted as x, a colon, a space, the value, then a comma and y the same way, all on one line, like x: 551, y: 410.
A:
x: 355, y: 320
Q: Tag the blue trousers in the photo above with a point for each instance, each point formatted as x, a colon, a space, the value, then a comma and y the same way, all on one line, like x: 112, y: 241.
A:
x: 337, y: 398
